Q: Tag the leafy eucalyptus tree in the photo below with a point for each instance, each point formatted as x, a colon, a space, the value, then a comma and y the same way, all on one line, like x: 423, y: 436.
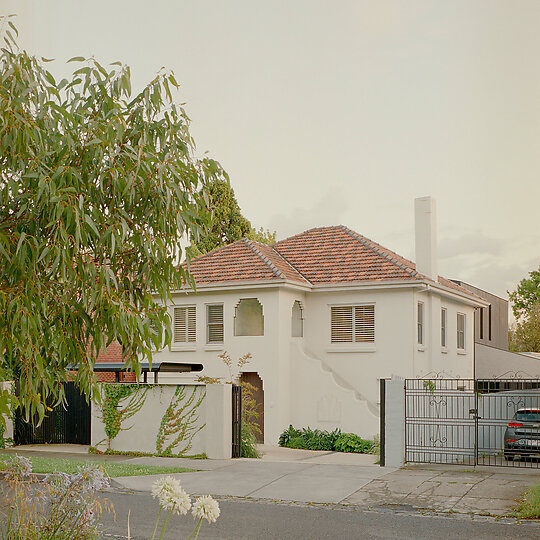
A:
x: 97, y: 188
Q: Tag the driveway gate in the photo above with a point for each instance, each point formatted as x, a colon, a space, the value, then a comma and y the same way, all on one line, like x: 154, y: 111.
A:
x: 69, y: 424
x: 463, y: 421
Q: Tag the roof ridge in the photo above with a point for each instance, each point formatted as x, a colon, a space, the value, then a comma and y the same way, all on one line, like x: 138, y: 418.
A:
x: 276, y: 271
x: 381, y: 250
x: 305, y: 232
x: 289, y: 263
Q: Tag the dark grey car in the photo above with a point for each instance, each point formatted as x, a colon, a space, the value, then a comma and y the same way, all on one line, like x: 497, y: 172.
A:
x: 522, y: 436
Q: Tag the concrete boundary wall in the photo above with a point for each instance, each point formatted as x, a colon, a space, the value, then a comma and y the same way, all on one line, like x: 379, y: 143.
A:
x: 168, y: 419
x: 394, y: 436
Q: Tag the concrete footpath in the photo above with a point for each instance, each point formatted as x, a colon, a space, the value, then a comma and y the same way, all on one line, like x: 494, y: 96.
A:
x: 334, y: 478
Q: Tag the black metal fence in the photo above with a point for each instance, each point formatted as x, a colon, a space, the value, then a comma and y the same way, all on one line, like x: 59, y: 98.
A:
x: 236, y: 421
x: 69, y: 424
x: 473, y: 422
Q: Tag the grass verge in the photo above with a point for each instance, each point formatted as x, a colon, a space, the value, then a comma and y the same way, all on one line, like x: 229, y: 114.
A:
x: 530, y: 506
x: 132, y: 453
x: 113, y: 469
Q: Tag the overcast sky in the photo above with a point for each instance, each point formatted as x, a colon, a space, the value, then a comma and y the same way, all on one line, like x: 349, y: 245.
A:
x: 341, y: 112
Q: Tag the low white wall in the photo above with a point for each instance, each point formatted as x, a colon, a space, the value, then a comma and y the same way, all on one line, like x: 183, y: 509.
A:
x: 394, y: 437
x: 162, y: 411
x: 491, y: 362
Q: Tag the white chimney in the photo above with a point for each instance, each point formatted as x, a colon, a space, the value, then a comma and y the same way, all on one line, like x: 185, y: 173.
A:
x: 425, y: 227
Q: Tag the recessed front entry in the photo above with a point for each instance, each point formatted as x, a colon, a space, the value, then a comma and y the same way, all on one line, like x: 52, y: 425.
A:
x: 253, y: 378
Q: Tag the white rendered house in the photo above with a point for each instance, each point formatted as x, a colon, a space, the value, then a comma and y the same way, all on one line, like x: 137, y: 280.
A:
x: 325, y: 314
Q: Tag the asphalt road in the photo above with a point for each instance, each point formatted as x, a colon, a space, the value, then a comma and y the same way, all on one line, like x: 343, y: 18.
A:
x: 245, y: 519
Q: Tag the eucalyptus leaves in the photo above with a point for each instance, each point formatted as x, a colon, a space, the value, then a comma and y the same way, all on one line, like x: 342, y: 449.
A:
x: 97, y: 188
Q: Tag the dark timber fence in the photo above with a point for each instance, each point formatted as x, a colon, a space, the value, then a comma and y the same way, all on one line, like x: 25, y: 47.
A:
x: 69, y: 423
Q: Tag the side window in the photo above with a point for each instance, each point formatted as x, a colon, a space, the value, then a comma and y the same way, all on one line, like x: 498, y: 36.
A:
x: 214, y: 323
x: 297, y: 320
x: 481, y: 322
x: 460, y: 331
x: 249, y: 319
x: 184, y: 325
x: 420, y: 323
x: 444, y: 315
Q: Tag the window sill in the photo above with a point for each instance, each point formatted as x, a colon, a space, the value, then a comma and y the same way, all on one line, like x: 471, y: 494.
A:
x: 190, y: 348
x: 444, y: 350
x: 462, y: 351
x: 351, y: 349
x: 421, y: 348
x: 216, y: 347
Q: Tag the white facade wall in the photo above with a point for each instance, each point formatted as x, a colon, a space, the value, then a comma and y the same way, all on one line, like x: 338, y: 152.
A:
x: 307, y: 380
x: 431, y: 357
x: 362, y: 364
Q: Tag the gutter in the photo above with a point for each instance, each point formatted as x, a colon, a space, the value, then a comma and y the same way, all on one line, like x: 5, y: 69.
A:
x: 454, y: 295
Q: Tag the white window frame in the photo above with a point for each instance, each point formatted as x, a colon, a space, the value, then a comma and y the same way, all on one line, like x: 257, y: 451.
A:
x: 214, y: 324
x: 420, y: 323
x: 356, y: 333
x: 190, y: 325
x: 461, y: 333
x: 444, y: 328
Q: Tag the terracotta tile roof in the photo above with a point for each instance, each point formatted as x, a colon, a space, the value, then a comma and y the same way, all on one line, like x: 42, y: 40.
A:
x: 244, y: 260
x: 338, y: 254
x: 324, y: 255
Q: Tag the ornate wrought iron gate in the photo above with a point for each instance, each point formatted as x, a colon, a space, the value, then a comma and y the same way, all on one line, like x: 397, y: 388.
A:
x: 61, y: 425
x: 465, y: 421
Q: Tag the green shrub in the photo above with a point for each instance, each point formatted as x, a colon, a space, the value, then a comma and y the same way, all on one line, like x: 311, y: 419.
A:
x: 310, y: 439
x: 249, y: 443
x: 349, y: 442
x: 320, y: 440
x: 297, y: 442
x: 333, y: 441
x: 286, y: 436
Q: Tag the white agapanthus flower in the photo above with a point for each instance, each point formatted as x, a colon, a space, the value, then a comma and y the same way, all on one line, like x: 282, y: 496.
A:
x: 171, y: 496
x: 207, y: 508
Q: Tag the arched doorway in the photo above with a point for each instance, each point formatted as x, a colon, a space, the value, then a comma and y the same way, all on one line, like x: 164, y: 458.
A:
x: 253, y: 378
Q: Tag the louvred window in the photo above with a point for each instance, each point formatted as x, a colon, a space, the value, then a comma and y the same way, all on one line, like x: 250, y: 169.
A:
x: 184, y: 324
x: 353, y: 324
x: 214, y: 323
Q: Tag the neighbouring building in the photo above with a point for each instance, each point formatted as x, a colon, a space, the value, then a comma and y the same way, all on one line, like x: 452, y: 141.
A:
x: 491, y: 322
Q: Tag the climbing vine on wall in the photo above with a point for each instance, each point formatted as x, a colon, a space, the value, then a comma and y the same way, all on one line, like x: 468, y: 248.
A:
x: 112, y: 413
x: 179, y: 423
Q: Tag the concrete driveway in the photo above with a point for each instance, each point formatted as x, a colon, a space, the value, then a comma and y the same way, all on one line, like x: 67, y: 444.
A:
x: 282, y: 474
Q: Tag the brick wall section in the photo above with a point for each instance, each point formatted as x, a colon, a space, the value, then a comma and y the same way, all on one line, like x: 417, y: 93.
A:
x: 113, y: 353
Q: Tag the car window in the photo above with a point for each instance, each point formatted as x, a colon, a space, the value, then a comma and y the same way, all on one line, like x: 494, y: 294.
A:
x: 531, y: 416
